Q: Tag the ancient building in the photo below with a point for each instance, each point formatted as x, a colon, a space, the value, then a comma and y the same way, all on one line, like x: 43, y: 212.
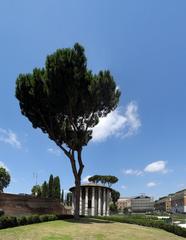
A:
x: 94, y: 199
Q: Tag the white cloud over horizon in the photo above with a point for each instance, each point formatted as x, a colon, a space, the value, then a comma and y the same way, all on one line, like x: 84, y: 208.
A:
x: 9, y: 137
x: 158, y: 166
x: 118, y: 123
x: 132, y: 172
x: 151, y: 184
x: 154, y: 167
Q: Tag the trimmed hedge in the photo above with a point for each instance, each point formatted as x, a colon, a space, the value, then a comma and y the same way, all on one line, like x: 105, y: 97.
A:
x: 6, y: 221
x: 148, y: 222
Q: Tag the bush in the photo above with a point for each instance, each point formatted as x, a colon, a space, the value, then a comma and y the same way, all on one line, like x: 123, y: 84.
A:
x: 43, y: 218
x: 22, y: 220
x: 35, y: 219
x: 1, y: 212
x: 6, y: 222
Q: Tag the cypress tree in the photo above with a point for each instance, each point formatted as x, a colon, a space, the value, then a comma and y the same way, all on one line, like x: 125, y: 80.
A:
x: 50, y: 186
x: 62, y: 196
x: 56, y: 188
x: 44, y: 190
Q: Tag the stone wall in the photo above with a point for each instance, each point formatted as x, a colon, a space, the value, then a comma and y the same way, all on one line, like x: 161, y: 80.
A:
x: 18, y: 205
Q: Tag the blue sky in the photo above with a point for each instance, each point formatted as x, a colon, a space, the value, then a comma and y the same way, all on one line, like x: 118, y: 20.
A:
x: 143, y: 44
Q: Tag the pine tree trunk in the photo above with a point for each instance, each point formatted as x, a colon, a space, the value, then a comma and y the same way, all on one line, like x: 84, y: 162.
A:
x: 77, y: 198
x: 77, y: 176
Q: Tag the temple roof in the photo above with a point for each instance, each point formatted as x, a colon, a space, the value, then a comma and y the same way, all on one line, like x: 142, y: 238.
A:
x: 90, y: 185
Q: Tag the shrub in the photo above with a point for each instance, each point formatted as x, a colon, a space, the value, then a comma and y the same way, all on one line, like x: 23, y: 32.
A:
x: 1, y: 212
x: 43, y: 218
x: 6, y: 222
x: 35, y: 218
x: 22, y: 220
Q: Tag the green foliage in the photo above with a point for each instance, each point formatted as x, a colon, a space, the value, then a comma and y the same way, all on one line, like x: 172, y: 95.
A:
x: 50, y: 186
x: 1, y: 212
x: 4, y: 178
x: 113, y: 208
x: 22, y: 221
x: 69, y: 199
x: 103, y: 179
x: 62, y: 196
x: 6, y: 221
x: 115, y: 195
x: 44, y: 190
x: 48, y: 190
x: 56, y: 188
x: 147, y: 221
x: 64, y: 99
x: 36, y: 191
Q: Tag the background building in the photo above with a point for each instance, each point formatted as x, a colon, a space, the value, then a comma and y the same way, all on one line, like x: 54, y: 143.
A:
x: 123, y: 203
x: 178, y: 202
x: 142, y: 204
x: 94, y: 199
x: 163, y: 204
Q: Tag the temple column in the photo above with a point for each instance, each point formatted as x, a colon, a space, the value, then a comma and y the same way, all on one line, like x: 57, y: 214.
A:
x: 86, y: 201
x: 108, y: 202
x: 104, y: 202
x: 80, y: 203
x: 73, y: 202
x: 93, y: 202
x: 99, y: 201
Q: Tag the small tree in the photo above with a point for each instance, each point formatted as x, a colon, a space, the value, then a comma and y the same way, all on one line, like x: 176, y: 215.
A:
x: 4, y: 178
x: 36, y: 190
x: 69, y: 199
x: 44, y: 192
x: 115, y: 195
x: 62, y: 196
x: 66, y: 100
x: 50, y: 186
x: 56, y: 188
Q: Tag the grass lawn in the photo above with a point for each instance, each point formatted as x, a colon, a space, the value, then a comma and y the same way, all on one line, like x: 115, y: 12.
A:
x: 85, y: 229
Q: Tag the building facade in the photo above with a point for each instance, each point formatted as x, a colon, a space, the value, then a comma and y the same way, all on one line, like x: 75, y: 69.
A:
x: 163, y: 204
x: 94, y: 200
x: 142, y: 204
x: 178, y: 202
x: 123, y: 203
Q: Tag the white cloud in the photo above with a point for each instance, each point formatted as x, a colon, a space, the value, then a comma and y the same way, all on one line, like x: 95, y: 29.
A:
x: 159, y: 166
x: 151, y: 184
x: 3, y: 165
x: 133, y: 172
x: 9, y: 137
x: 118, y: 124
x: 85, y: 179
x: 54, y: 151
x: 124, y: 187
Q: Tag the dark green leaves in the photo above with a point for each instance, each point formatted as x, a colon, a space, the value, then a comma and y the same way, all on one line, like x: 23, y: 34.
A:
x: 64, y: 99
x: 4, y: 178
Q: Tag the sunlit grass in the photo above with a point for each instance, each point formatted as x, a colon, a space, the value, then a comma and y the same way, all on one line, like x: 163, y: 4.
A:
x: 85, y: 229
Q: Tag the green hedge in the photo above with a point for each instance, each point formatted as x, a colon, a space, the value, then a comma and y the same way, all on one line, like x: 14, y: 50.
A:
x: 147, y: 222
x: 6, y: 222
